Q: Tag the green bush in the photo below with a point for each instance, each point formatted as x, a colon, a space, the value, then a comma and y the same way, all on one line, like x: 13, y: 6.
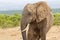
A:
x: 57, y: 19
x: 8, y: 21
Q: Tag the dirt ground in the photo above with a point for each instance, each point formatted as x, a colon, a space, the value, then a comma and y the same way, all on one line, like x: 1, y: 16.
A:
x: 15, y: 33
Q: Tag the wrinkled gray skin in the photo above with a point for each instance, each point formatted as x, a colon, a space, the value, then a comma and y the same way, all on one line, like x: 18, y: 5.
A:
x: 39, y: 16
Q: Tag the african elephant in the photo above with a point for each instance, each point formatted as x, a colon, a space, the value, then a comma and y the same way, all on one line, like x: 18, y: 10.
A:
x: 40, y: 19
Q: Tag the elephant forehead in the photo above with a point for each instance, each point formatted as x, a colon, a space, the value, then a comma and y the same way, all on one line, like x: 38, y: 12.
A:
x: 41, y: 9
x: 40, y: 12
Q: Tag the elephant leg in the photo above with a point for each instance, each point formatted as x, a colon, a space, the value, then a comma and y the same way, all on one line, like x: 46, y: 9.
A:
x: 43, y: 36
x: 43, y: 33
x: 38, y: 38
x: 32, y: 35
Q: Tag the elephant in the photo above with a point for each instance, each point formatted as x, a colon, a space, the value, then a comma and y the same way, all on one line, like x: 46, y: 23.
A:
x: 40, y: 19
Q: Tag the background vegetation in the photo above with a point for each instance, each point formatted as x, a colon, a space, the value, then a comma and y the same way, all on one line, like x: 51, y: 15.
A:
x: 8, y: 21
x: 56, y: 19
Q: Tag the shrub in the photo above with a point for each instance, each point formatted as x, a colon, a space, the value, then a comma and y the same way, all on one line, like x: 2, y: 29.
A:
x: 57, y: 19
x: 8, y: 21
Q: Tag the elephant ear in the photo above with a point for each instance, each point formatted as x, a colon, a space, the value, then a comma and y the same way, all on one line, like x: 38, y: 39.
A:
x: 41, y: 13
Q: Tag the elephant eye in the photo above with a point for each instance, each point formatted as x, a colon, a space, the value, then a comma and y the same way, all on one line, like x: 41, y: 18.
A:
x: 29, y: 13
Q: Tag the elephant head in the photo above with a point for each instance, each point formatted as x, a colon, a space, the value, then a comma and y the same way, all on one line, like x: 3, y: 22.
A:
x: 28, y: 15
x: 31, y: 12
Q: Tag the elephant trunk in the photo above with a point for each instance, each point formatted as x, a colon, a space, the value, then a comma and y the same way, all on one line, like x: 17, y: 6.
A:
x: 24, y: 35
x: 24, y: 23
x: 23, y: 26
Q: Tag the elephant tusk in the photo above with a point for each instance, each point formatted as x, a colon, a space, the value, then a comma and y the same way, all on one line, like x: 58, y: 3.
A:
x: 26, y: 29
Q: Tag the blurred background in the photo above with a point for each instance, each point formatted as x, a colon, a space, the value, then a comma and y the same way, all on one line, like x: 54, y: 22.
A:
x: 10, y: 18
